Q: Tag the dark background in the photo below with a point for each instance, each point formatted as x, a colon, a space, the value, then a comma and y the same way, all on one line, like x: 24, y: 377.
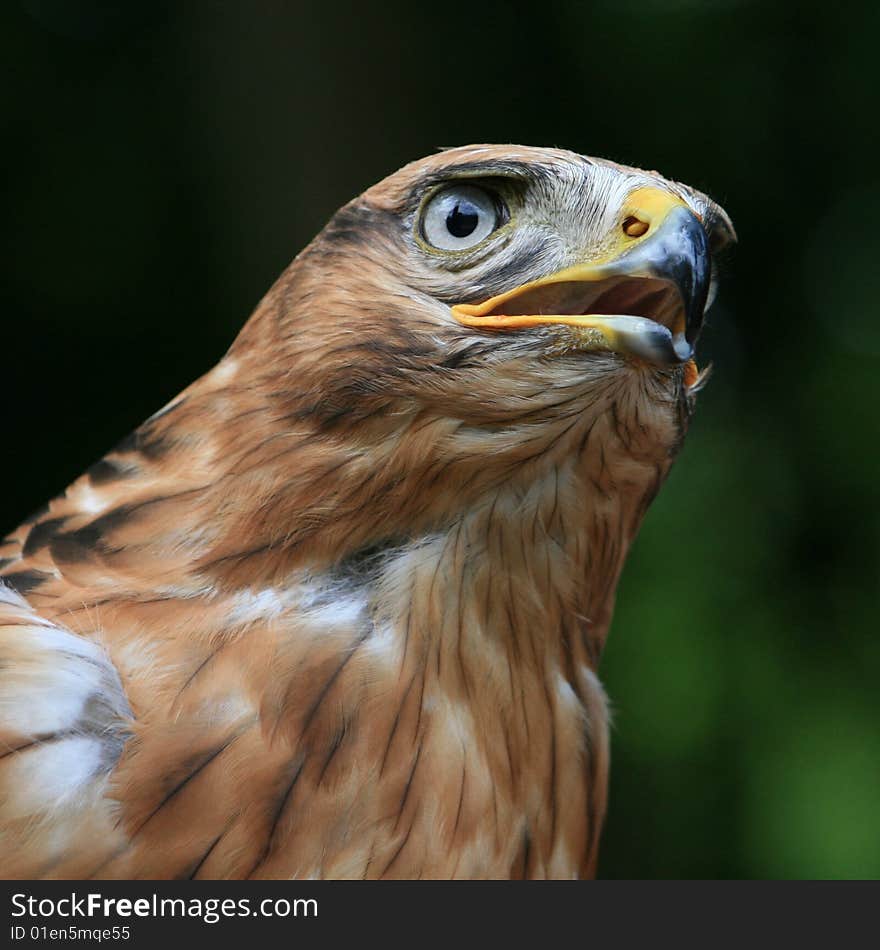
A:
x: 165, y: 162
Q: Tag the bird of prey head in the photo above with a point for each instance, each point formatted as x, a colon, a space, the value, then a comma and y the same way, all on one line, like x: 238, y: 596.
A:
x: 355, y: 580
x: 454, y: 321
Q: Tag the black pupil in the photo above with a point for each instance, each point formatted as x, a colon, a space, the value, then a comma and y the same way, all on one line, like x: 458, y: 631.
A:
x: 463, y: 219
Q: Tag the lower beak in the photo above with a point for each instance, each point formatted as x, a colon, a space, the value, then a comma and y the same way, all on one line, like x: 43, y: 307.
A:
x: 645, y: 298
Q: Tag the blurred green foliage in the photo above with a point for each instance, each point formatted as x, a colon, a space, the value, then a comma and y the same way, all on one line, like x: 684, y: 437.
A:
x: 166, y: 161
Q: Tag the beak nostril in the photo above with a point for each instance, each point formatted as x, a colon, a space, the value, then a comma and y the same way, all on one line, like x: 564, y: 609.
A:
x: 635, y: 227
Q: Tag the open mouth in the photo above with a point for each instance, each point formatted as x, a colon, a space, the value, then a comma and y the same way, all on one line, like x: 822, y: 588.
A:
x: 644, y: 316
x: 647, y: 297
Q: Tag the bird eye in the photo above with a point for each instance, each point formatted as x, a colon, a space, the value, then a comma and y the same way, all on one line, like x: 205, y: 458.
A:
x: 460, y: 217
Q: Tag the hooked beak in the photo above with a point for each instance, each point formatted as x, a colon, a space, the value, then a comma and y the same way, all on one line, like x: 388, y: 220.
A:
x: 646, y: 297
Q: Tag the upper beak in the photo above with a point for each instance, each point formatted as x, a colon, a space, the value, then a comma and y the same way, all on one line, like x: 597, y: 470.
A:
x: 646, y: 296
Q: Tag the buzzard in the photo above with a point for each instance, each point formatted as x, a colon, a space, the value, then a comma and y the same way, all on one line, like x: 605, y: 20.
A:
x: 337, y: 609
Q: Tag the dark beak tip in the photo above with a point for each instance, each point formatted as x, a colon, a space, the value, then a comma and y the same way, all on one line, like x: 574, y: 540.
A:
x: 689, y: 266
